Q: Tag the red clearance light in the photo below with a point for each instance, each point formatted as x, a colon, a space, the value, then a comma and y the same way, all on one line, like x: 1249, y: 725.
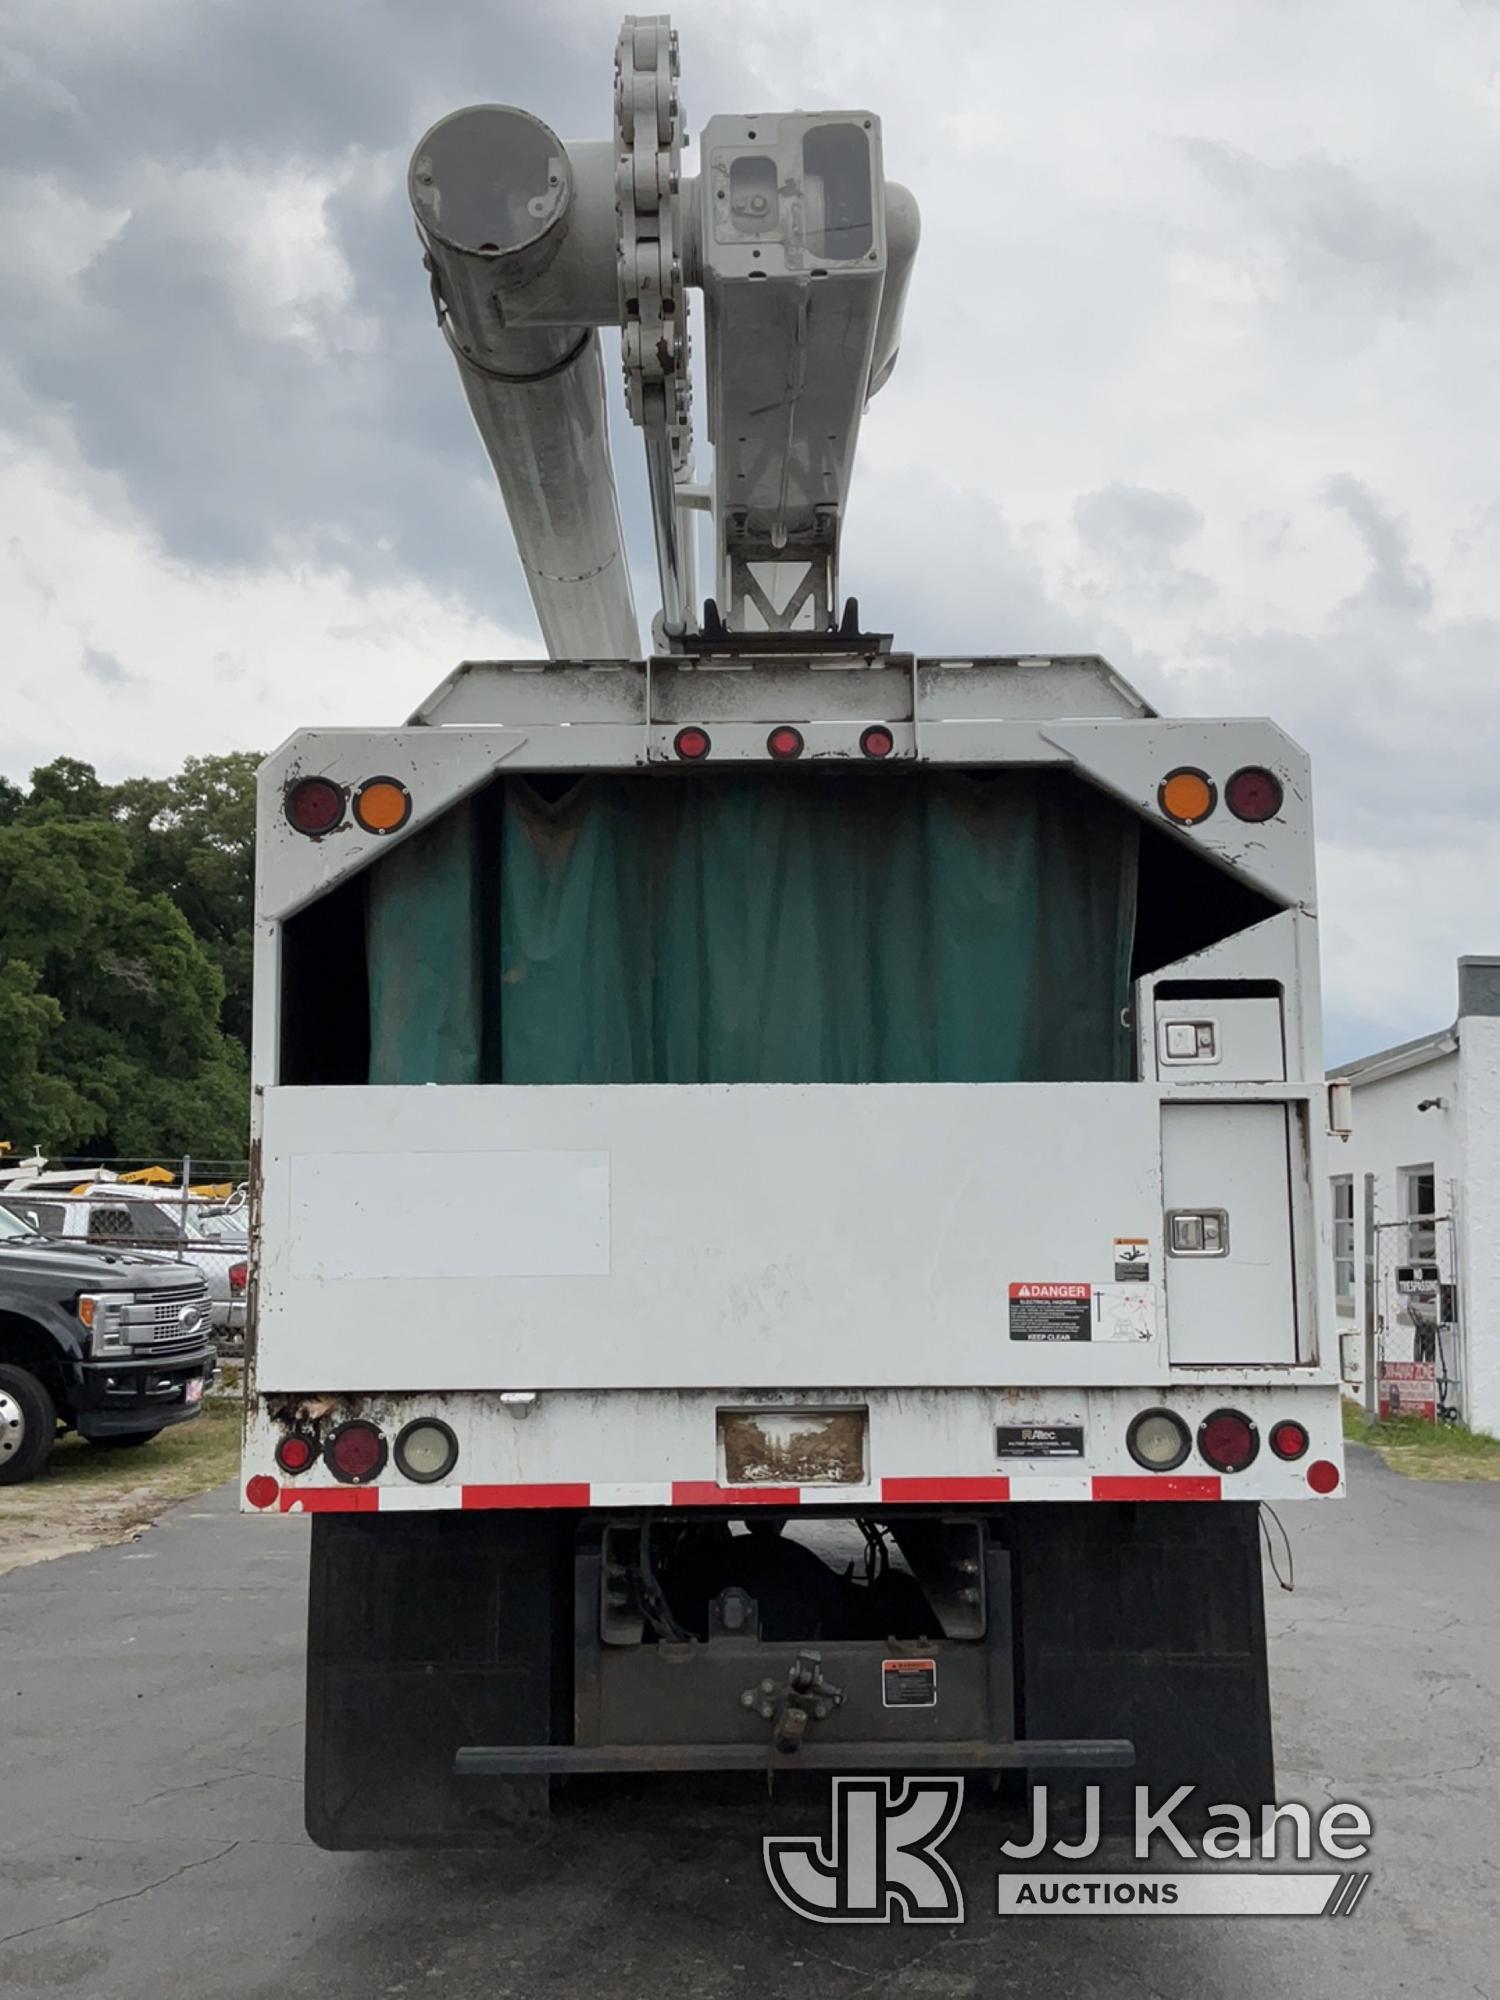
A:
x: 1228, y: 1441
x: 1288, y: 1440
x: 1254, y: 794
x: 1323, y: 1476
x: 314, y: 805
x: 877, y: 742
x: 295, y: 1453
x: 239, y: 1277
x: 692, y: 745
x: 355, y: 1453
x: 785, y: 743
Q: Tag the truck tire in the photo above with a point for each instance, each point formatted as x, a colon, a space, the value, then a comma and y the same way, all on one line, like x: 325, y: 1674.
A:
x: 125, y: 1440
x: 28, y: 1425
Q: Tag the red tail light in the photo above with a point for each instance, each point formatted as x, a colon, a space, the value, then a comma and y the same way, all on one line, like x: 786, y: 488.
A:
x: 295, y: 1453
x: 1289, y: 1440
x: 239, y: 1277
x: 1254, y: 794
x: 877, y: 741
x: 692, y: 745
x: 355, y: 1453
x: 1228, y: 1441
x: 314, y: 805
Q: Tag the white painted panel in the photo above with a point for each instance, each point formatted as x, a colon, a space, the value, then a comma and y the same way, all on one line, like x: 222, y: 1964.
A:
x: 1239, y: 1308
x: 831, y: 1235
x: 534, y: 1214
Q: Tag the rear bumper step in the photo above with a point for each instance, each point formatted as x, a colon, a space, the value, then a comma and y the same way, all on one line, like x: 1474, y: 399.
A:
x: 514, y: 1760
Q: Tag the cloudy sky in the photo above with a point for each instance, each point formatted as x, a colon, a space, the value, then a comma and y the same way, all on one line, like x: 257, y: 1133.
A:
x: 1200, y: 371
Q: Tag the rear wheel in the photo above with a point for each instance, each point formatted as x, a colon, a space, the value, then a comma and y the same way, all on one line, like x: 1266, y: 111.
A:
x: 28, y: 1425
x: 124, y: 1440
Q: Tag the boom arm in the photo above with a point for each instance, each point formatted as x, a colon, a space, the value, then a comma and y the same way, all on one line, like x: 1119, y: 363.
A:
x: 802, y: 251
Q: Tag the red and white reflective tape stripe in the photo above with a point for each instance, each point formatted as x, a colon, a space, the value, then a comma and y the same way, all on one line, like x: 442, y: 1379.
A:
x: 949, y: 1492
x: 559, y: 1493
x: 1159, y: 1486
x: 264, y: 1493
x: 704, y: 1493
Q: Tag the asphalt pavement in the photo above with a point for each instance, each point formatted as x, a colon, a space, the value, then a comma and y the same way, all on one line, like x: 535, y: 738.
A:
x: 151, y: 1840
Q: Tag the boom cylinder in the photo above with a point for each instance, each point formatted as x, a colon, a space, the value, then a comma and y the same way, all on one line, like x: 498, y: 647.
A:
x: 495, y: 199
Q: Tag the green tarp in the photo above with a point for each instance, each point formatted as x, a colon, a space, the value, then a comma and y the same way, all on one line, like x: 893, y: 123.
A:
x: 759, y: 926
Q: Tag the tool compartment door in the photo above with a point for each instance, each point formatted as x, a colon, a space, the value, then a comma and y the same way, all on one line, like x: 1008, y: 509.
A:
x: 1227, y: 1167
x: 697, y: 1236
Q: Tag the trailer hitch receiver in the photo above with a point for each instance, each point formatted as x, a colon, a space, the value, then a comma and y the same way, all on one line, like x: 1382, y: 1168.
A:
x: 805, y: 1697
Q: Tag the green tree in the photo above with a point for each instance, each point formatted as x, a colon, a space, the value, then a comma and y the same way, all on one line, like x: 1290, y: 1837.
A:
x: 34, y: 1102
x: 197, y: 844
x: 125, y: 916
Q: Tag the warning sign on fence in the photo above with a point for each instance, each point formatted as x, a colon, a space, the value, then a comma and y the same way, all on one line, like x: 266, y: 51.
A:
x: 1408, y: 1389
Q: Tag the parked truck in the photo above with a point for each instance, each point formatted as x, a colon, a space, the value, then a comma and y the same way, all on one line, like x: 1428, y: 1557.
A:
x: 110, y: 1343
x: 785, y: 1219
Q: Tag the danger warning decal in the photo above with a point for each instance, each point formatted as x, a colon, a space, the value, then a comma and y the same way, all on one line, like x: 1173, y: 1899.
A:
x: 1051, y: 1312
x: 908, y: 1683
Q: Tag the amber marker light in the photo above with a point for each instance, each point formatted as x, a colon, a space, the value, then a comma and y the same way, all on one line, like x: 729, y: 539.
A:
x: 382, y: 805
x: 1187, y: 796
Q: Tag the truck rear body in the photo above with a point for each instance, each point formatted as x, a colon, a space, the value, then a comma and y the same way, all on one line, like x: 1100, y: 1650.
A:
x: 1040, y: 1246
x: 955, y: 1261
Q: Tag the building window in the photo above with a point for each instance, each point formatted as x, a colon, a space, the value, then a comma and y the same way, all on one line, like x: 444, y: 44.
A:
x: 1343, y: 1243
x: 1419, y: 1212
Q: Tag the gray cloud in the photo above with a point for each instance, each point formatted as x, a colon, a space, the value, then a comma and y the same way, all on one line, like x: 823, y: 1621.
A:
x: 1134, y: 522
x: 1135, y: 533
x: 105, y: 668
x: 279, y: 80
x: 1336, y: 236
x: 1395, y: 583
x: 238, y: 444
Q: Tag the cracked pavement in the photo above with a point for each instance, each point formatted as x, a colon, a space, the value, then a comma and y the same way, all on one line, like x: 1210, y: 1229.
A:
x: 151, y: 1839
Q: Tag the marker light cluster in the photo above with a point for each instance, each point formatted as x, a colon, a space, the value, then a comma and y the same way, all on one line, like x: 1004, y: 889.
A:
x: 356, y: 1452
x: 1160, y: 1441
x: 1187, y: 796
x: 316, y: 806
x: 784, y: 744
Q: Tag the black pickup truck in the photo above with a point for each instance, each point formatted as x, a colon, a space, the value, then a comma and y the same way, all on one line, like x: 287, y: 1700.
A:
x: 111, y: 1344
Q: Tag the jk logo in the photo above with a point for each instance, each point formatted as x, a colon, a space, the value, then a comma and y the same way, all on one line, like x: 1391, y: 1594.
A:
x: 881, y: 1864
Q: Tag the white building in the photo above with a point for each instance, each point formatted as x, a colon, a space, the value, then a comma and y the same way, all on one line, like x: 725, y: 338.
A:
x: 1416, y: 1213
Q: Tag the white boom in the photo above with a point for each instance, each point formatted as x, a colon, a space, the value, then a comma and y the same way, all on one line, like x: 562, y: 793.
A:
x: 802, y: 251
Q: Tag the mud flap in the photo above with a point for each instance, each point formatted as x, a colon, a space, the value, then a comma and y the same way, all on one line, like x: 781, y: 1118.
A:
x: 1147, y: 1622
x: 426, y: 1632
